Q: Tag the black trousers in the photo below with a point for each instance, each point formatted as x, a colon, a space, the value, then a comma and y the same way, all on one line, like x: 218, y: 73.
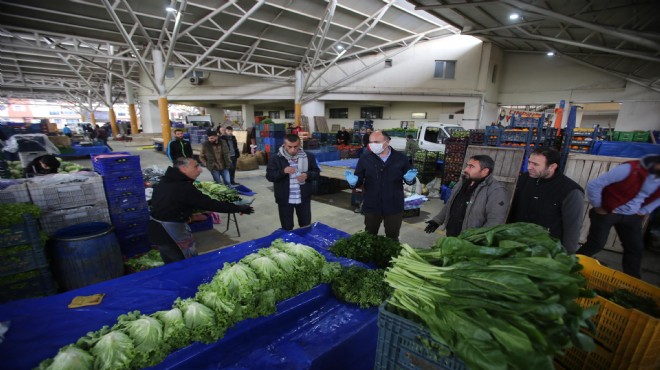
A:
x: 629, y: 229
x: 392, y: 224
x: 232, y: 170
x: 169, y: 251
x: 303, y: 211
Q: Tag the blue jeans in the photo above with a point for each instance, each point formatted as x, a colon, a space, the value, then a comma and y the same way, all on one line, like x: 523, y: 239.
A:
x: 221, y: 177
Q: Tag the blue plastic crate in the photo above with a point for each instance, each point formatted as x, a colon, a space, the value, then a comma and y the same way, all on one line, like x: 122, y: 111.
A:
x: 278, y: 127
x: 202, y: 225
x: 115, y: 162
x: 134, y: 244
x: 277, y: 134
x: 21, y: 258
x: 33, y: 283
x: 120, y: 182
x: 137, y: 215
x: 400, y: 346
x: 22, y: 233
x: 136, y: 206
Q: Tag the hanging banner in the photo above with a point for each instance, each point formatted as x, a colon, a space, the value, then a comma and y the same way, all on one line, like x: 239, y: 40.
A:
x: 559, y: 114
x: 523, y: 118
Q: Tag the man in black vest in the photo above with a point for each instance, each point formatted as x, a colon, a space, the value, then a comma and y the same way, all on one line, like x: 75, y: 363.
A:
x: 546, y: 197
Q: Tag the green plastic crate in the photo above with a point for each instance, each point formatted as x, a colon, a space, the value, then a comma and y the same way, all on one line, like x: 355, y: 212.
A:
x: 641, y: 136
x: 625, y: 136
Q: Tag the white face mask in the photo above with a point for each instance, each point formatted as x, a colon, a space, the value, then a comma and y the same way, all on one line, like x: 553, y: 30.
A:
x: 376, y: 148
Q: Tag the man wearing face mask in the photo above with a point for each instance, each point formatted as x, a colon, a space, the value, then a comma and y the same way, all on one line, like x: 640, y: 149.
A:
x: 621, y: 198
x: 382, y: 171
x: 478, y: 200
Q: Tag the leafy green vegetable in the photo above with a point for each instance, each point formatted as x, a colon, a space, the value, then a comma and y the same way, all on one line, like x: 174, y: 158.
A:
x: 12, y: 213
x: 69, y: 358
x: 500, y: 297
x: 147, y: 261
x: 200, y: 320
x: 628, y: 299
x: 265, y: 267
x: 113, y: 351
x: 367, y: 248
x: 218, y: 192
x: 361, y: 286
x: 175, y: 333
x: 147, y: 335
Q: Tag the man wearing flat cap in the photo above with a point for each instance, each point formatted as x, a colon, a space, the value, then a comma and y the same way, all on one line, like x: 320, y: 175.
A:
x: 621, y: 198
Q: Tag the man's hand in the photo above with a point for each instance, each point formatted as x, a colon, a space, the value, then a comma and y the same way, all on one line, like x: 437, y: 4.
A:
x: 246, y: 209
x: 410, y: 175
x: 301, y: 178
x: 290, y: 170
x: 600, y: 211
x: 351, y: 178
x: 431, y: 227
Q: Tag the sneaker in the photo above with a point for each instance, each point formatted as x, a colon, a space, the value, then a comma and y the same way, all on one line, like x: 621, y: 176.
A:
x: 235, y: 183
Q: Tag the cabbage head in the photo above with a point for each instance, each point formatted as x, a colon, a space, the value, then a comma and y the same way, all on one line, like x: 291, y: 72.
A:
x: 147, y: 335
x: 237, y: 278
x: 175, y: 333
x: 69, y: 358
x: 265, y: 268
x: 113, y: 351
x: 200, y: 320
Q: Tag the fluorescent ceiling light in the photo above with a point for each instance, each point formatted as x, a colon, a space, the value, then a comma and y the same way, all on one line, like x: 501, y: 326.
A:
x: 551, y: 54
x: 170, y: 9
x: 514, y: 16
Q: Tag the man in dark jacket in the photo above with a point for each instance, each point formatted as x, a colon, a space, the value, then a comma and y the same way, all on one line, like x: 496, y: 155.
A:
x: 179, y: 147
x: 621, y: 198
x: 546, y: 197
x: 234, y: 153
x: 291, y: 171
x: 382, y: 170
x: 478, y: 200
x: 172, y: 204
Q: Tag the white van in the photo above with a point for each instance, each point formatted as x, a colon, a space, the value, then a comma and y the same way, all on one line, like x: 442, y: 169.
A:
x: 431, y: 136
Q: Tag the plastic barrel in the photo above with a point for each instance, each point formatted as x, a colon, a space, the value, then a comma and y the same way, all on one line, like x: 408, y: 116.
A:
x: 86, y: 254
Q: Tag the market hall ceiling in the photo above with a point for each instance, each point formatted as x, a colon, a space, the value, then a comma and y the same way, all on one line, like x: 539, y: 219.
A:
x: 69, y: 49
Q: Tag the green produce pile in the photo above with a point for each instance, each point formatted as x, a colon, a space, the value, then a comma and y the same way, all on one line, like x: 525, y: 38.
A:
x: 362, y: 286
x: 218, y: 192
x: 426, y: 156
x: 147, y: 261
x: 12, y: 213
x: 628, y: 299
x: 16, y: 170
x: 367, y: 248
x: 69, y: 167
x: 246, y: 289
x: 460, y: 133
x: 500, y: 297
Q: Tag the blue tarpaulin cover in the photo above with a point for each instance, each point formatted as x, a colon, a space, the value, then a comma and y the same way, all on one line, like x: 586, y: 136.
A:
x: 310, y: 331
x: 82, y: 151
x: 350, y: 162
x: 624, y: 149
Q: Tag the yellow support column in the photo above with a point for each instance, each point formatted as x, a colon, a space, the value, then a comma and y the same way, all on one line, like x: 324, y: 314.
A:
x: 165, y: 121
x: 83, y: 118
x: 113, y: 122
x: 92, y: 118
x: 133, y: 115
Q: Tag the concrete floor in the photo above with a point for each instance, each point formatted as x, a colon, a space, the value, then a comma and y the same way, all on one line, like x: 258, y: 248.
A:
x: 333, y: 210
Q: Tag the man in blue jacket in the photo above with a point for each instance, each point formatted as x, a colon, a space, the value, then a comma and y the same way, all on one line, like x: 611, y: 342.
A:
x: 291, y: 171
x: 382, y: 170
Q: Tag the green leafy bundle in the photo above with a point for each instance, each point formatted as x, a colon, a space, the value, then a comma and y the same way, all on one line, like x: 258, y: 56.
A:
x: 218, y: 192
x: 367, y: 248
x: 500, y: 297
x: 362, y: 286
x: 12, y: 213
x: 628, y: 299
x: 147, y: 261
x: 245, y: 289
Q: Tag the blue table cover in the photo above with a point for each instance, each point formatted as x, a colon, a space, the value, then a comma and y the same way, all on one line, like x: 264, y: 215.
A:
x: 624, y: 149
x: 350, y: 162
x: 83, y: 150
x: 310, y: 331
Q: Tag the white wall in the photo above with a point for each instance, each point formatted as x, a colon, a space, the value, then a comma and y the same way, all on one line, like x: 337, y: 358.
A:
x: 639, y: 116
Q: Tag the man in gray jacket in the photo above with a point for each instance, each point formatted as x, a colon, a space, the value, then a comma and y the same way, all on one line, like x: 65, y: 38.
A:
x: 477, y: 200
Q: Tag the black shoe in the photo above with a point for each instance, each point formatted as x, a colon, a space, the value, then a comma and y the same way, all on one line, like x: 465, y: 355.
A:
x: 235, y: 183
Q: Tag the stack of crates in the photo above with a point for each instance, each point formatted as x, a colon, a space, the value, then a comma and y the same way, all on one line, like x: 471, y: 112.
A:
x: 426, y: 164
x: 477, y: 137
x: 270, y: 136
x: 24, y: 269
x: 197, y: 135
x: 455, y: 148
x: 124, y: 191
x: 68, y: 202
x: 625, y: 337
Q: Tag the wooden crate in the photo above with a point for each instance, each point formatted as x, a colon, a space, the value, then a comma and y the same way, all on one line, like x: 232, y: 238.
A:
x: 508, y: 162
x: 583, y: 168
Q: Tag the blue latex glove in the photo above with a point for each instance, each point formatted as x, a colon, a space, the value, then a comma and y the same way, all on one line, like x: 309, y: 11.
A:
x: 410, y: 175
x: 351, y: 178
